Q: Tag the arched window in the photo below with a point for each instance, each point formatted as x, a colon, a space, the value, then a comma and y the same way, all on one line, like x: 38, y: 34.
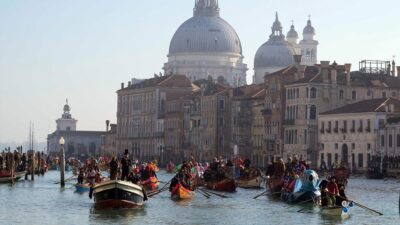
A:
x: 313, y: 112
x: 390, y: 141
x: 382, y: 140
x: 353, y: 95
x: 341, y: 94
x: 313, y: 93
x: 398, y: 140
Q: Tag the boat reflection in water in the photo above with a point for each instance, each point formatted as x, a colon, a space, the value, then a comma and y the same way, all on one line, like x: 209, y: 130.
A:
x: 107, y: 214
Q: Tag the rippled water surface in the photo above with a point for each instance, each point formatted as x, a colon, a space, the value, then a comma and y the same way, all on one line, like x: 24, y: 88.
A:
x: 44, y: 202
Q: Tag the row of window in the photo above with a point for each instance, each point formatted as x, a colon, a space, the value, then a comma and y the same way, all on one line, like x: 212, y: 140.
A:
x: 329, y: 161
x: 294, y: 93
x: 291, y: 137
x: 344, y: 127
x: 390, y: 140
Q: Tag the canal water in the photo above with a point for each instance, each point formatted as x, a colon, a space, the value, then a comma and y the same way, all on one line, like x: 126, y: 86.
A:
x: 43, y: 202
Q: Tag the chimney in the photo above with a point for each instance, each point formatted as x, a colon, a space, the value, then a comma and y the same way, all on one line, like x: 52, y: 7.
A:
x: 334, y: 73
x: 398, y: 70
x: 122, y: 85
x: 107, y: 124
x: 393, y: 68
x: 347, y: 66
x: 325, y: 72
x: 129, y: 83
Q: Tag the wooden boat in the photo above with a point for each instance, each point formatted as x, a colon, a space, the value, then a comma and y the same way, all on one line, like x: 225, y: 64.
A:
x: 82, y: 187
x: 254, y: 182
x: 180, y: 192
x: 5, y: 176
x: 118, y: 194
x: 274, y: 184
x: 151, y: 184
x: 337, y: 211
x: 226, y: 185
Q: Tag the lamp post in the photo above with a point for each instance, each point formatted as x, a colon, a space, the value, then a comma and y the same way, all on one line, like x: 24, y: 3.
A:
x: 62, y: 169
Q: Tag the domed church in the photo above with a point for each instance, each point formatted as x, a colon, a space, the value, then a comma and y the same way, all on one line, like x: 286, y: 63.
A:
x: 277, y: 53
x: 207, y: 47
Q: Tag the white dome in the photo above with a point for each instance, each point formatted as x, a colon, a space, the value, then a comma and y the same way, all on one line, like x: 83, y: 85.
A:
x: 203, y: 33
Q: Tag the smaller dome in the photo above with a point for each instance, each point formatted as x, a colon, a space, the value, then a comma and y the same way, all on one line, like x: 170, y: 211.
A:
x: 292, y: 33
x: 274, y: 53
x: 66, y: 108
x: 309, y: 29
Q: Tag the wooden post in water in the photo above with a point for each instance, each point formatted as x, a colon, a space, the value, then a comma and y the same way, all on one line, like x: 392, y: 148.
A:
x: 33, y: 166
x: 62, y: 163
x: 12, y: 169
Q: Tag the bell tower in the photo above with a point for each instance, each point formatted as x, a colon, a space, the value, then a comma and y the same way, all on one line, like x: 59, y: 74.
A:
x: 66, y: 122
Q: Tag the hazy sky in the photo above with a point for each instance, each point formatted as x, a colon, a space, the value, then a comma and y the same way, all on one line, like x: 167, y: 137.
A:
x: 84, y: 49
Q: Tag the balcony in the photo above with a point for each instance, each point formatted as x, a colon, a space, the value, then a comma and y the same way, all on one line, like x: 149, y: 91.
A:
x: 368, y: 129
x: 288, y: 122
x: 335, y: 130
x: 266, y: 112
x: 329, y: 130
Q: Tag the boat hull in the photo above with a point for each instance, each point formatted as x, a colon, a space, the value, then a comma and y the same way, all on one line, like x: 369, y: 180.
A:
x: 118, y: 194
x: 336, y: 211
x: 225, y: 185
x: 255, y: 182
x: 301, y: 196
x: 82, y: 187
x: 8, y: 179
x: 275, y: 186
x: 180, y: 192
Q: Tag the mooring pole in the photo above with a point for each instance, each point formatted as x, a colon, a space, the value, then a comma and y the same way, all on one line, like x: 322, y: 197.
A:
x: 33, y: 166
x: 62, y: 163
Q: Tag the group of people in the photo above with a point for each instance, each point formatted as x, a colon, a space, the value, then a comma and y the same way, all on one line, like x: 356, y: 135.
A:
x: 333, y: 191
x: 90, y: 172
x: 21, y: 161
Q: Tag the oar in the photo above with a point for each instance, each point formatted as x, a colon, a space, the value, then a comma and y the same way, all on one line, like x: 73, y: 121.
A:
x: 203, y: 193
x: 70, y: 178
x: 210, y: 192
x: 161, y: 190
x: 307, y: 207
x: 255, y: 197
x: 358, y: 204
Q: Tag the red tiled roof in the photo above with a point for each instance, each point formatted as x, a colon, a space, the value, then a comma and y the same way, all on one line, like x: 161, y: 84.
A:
x: 371, y: 105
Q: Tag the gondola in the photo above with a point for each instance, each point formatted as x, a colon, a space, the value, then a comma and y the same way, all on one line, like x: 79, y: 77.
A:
x: 5, y: 177
x: 225, y: 185
x: 180, y: 192
x: 118, y: 194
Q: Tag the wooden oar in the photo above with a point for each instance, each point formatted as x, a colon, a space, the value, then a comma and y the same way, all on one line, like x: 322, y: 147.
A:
x: 210, y: 192
x: 259, y: 195
x: 203, y: 193
x: 161, y: 190
x: 68, y: 179
x: 358, y: 204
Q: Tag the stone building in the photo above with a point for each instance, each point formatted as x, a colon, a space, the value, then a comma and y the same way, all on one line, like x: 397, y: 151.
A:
x: 141, y: 113
x: 109, y: 140
x: 207, y: 47
x: 258, y: 130
x: 388, y: 148
x: 324, y: 87
x: 354, y: 133
x: 80, y: 144
x: 243, y: 104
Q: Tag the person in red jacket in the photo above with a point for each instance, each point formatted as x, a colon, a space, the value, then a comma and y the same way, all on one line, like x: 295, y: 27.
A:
x: 332, y: 191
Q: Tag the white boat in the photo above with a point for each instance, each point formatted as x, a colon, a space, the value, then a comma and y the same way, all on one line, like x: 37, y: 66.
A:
x: 8, y: 179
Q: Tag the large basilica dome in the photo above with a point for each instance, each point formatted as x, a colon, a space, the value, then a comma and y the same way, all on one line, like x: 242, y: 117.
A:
x: 207, y: 47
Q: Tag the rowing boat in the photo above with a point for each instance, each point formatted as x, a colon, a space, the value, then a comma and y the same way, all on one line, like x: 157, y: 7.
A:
x: 225, y: 185
x: 180, y: 192
x: 6, y: 177
x: 254, y: 182
x: 82, y: 187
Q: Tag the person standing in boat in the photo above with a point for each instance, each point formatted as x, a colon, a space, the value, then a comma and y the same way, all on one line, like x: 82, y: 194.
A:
x: 125, y: 164
x: 1, y: 161
x: 113, y: 168
x: 332, y: 191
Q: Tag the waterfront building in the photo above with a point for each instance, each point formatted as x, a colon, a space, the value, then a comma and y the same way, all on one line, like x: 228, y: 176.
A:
x: 245, y: 137
x: 78, y: 143
x: 109, y: 140
x: 207, y: 47
x: 141, y: 113
x: 325, y: 87
x: 353, y: 134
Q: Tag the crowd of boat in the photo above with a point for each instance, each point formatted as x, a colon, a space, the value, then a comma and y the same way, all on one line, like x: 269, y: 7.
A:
x: 128, y: 183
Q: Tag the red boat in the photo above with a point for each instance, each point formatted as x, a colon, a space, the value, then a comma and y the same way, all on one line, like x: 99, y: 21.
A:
x: 226, y: 185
